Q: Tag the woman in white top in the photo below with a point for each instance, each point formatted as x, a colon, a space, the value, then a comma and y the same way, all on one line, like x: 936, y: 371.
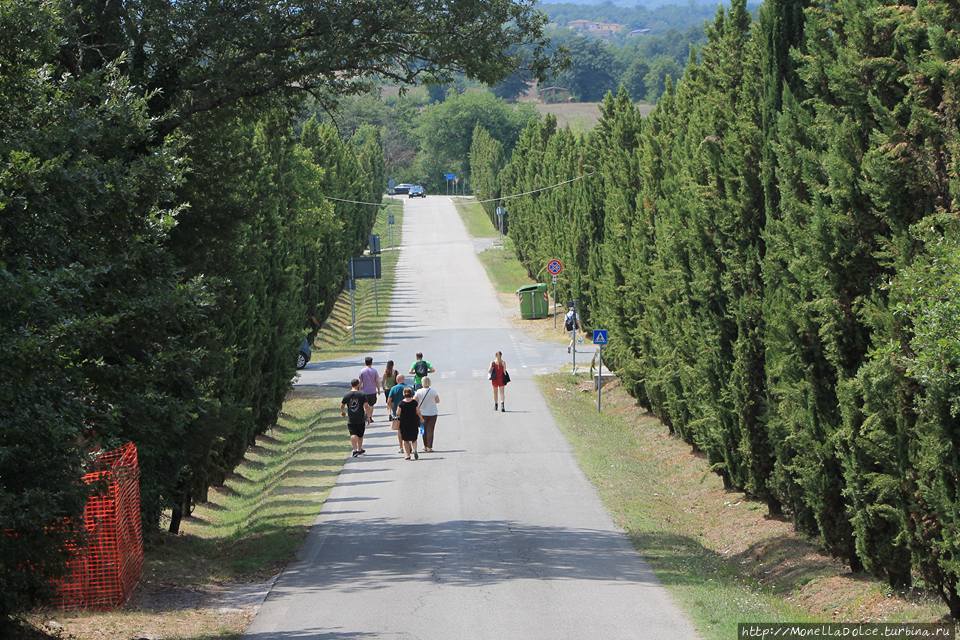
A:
x: 427, y: 399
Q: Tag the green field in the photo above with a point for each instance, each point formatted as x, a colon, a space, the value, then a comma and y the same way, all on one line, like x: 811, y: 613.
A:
x: 252, y: 527
x: 504, y: 268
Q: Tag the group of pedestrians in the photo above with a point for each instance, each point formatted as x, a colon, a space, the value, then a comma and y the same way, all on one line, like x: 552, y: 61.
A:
x: 412, y: 406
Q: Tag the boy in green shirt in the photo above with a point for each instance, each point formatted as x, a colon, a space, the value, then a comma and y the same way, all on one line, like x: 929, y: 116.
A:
x: 420, y: 369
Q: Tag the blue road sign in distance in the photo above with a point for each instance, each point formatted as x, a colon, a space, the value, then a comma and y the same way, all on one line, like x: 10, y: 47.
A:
x: 555, y: 267
x: 599, y: 336
x: 450, y: 176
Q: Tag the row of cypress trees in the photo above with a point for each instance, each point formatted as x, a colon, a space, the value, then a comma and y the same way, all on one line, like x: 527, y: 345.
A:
x: 774, y: 252
x: 152, y: 290
x: 273, y: 252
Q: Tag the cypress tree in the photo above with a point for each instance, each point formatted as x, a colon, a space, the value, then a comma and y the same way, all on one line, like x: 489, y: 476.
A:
x: 486, y: 162
x: 616, y: 141
x: 781, y: 29
x: 743, y: 283
x: 890, y: 408
x: 920, y: 346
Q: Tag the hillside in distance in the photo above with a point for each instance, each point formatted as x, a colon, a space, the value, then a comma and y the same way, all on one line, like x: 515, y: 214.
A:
x: 637, y: 3
x: 651, y: 16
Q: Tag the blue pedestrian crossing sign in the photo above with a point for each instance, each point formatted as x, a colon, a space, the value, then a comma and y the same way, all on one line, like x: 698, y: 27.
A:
x: 599, y: 336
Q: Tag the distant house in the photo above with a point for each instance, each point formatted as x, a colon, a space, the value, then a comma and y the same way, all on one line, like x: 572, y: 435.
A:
x: 602, y: 29
x: 553, y: 95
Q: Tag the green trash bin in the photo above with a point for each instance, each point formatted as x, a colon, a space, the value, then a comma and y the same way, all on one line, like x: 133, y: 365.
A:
x: 534, y: 302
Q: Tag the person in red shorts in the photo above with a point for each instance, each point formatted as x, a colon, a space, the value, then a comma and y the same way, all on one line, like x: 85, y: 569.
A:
x: 499, y: 378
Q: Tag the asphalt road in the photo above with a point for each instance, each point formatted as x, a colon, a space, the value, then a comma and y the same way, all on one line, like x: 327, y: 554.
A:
x: 497, y: 534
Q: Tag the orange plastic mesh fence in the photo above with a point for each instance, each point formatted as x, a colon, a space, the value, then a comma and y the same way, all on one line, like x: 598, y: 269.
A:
x: 104, y: 573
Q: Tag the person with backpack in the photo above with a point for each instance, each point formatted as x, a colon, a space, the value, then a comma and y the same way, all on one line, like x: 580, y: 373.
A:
x: 427, y: 400
x: 420, y: 368
x: 497, y: 373
x: 353, y: 407
x: 571, y: 323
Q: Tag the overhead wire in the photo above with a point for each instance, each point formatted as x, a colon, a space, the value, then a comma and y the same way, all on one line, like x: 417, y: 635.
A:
x: 527, y: 193
x: 507, y: 197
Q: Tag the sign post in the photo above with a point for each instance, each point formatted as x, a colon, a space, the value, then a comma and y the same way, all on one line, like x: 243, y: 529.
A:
x: 573, y: 333
x: 555, y: 267
x: 553, y: 280
x: 599, y: 339
x: 375, y: 250
x: 361, y: 267
x: 353, y: 305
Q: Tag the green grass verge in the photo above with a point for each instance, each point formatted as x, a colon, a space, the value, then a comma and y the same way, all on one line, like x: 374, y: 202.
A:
x: 611, y: 451
x: 373, y: 299
x: 475, y: 218
x: 252, y: 526
x: 500, y: 261
x: 504, y: 267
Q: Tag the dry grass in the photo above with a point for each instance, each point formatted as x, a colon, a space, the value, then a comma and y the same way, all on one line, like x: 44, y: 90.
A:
x: 580, y: 116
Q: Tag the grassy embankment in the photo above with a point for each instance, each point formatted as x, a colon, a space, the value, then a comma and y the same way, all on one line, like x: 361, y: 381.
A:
x: 334, y: 339
x: 715, y: 550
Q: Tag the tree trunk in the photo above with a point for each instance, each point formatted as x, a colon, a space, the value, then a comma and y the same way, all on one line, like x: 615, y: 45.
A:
x: 179, y: 509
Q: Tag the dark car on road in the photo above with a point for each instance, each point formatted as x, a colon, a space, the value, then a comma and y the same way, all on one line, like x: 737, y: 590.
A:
x: 416, y: 191
x: 402, y: 188
x: 304, y: 353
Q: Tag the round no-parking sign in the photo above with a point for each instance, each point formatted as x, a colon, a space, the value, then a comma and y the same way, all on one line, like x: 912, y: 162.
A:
x: 555, y: 267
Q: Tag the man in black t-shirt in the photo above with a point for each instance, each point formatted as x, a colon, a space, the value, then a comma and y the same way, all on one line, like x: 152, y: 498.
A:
x: 354, y: 408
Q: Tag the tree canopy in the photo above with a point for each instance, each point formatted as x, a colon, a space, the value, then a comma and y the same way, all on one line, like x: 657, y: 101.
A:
x: 197, y: 56
x: 169, y: 231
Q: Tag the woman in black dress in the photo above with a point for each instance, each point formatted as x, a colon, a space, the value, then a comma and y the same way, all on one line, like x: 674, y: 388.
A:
x: 410, y: 419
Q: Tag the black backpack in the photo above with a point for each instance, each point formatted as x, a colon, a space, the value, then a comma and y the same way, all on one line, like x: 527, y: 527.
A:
x: 568, y: 323
x: 420, y: 368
